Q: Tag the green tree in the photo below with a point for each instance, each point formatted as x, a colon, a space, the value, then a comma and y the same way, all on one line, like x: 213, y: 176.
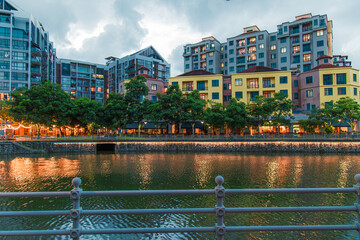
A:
x: 260, y: 110
x: 5, y: 105
x: 113, y: 115
x: 136, y: 90
x: 214, y: 116
x: 172, y: 105
x: 193, y: 108
x: 154, y: 113
x: 83, y: 112
x: 281, y: 107
x: 236, y: 115
x: 347, y: 110
x: 44, y: 105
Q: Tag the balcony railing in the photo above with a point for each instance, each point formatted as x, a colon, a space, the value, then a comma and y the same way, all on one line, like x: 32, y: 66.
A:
x: 202, y: 88
x: 268, y: 85
x: 187, y: 89
x: 252, y: 86
x: 35, y: 80
x: 220, y: 211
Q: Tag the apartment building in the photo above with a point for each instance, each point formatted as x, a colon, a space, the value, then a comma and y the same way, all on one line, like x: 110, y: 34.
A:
x: 27, y: 56
x: 209, y: 85
x: 295, y: 46
x: 127, y: 67
x: 82, y: 79
x: 155, y: 86
x: 341, y: 60
x: 260, y: 81
x: 203, y: 55
x: 324, y: 83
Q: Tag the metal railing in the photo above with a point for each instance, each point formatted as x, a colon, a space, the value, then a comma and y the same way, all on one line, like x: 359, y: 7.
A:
x: 219, y: 229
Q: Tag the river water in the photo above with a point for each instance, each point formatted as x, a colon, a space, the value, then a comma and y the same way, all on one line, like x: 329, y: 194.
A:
x: 181, y: 171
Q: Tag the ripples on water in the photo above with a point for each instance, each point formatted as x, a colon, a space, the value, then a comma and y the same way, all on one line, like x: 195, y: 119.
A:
x: 181, y: 171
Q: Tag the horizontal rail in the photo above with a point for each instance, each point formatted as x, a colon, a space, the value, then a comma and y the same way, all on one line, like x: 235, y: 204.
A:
x: 33, y: 194
x: 33, y: 213
x: 292, y: 209
x: 178, y: 192
x: 291, y: 228
x: 34, y: 233
x: 289, y: 190
x: 147, y: 230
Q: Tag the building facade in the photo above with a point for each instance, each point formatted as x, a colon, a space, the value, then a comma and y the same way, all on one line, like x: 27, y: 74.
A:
x: 295, y: 46
x: 209, y: 85
x: 27, y: 56
x: 82, y: 79
x: 155, y: 86
x: 127, y: 67
x: 323, y: 84
x: 260, y: 81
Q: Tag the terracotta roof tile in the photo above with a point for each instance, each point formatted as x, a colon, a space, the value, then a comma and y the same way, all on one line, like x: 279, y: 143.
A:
x: 195, y: 73
x: 259, y: 69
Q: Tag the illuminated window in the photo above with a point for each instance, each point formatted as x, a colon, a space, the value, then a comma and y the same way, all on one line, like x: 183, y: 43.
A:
x: 307, y: 58
x: 273, y: 47
x: 267, y: 94
x: 261, y: 46
x: 283, y: 49
x: 241, y: 51
x: 153, y: 87
x: 320, y: 33
x: 251, y: 49
x: 241, y: 42
x: 306, y: 37
x: 310, y: 93
x: 211, y: 54
x: 296, y: 49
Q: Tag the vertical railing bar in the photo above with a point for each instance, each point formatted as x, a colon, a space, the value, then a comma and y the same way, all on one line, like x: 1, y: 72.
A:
x: 75, y: 212
x: 357, y: 204
x: 220, y: 209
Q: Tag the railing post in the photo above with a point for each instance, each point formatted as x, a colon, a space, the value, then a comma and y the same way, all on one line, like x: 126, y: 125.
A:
x: 220, y: 209
x: 357, y: 204
x: 75, y: 212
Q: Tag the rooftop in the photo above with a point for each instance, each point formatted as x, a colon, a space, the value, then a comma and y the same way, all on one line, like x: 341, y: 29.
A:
x: 196, y: 73
x: 259, y: 69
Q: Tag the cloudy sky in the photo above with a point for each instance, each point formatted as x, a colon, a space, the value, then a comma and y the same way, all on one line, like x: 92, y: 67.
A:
x: 91, y: 30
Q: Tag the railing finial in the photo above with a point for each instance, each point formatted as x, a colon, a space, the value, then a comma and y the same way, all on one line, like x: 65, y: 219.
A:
x: 76, y: 182
x: 219, y: 181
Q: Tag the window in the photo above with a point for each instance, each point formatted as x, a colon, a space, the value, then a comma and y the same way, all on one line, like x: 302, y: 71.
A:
x: 273, y: 56
x: 341, y: 78
x: 4, y: 65
x: 253, y: 83
x: 296, y: 49
x: 238, y: 82
x: 5, y: 54
x: 261, y: 64
x: 211, y: 54
x: 251, y: 40
x: 320, y: 33
x: 320, y: 43
x: 283, y: 50
x: 296, y: 95
x: 320, y: 53
x: 285, y: 92
x: 4, y: 32
x: 231, y: 69
x: 242, y: 59
x: 251, y: 49
x: 307, y: 57
x: 261, y: 55
x: 283, y: 59
x: 240, y: 69
x: 273, y: 47
x: 283, y: 79
x: 231, y: 43
x: 355, y: 91
x: 342, y: 91
x: 306, y: 48
x: 22, y: 45
x: 309, y: 93
x: 153, y: 87
x: 196, y: 66
x: 295, y: 40
x: 253, y: 96
x: 327, y: 79
x: 285, y: 28
x: 296, y: 83
x: 201, y: 86
x: 4, y: 43
x: 211, y: 70
x: 355, y: 77
x: 238, y: 95
x: 308, y: 106
x: 261, y: 46
x: 261, y: 37
x: 231, y: 60
x: 175, y: 84
x: 280, y: 31
x: 215, y: 83
x: 272, y: 38
x: 154, y: 98
x: 282, y: 40
x: 211, y: 62
x: 273, y: 65
x: 315, y: 22
x: 328, y: 91
x: 307, y: 67
x: 309, y: 80
x: 187, y: 66
x: 215, y: 95
x: 231, y: 51
x: 225, y: 86
x: 306, y: 37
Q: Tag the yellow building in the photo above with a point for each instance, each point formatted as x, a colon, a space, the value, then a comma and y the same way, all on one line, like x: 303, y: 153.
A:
x: 210, y: 85
x: 259, y: 80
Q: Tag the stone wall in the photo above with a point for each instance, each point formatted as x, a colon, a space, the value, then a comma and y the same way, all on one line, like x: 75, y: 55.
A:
x: 121, y: 147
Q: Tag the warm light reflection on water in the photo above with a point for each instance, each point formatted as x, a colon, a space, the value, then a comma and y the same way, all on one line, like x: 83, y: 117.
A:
x: 184, y: 171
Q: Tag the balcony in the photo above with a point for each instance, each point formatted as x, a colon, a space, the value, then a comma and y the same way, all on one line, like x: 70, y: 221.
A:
x: 185, y: 89
x: 202, y: 89
x: 253, y: 86
x: 35, y: 80
x: 35, y: 51
x: 268, y: 85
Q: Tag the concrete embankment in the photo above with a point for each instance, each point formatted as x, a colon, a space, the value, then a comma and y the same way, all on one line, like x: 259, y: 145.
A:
x: 21, y: 147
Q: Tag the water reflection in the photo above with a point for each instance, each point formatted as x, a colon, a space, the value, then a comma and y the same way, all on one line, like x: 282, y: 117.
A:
x: 183, y: 171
